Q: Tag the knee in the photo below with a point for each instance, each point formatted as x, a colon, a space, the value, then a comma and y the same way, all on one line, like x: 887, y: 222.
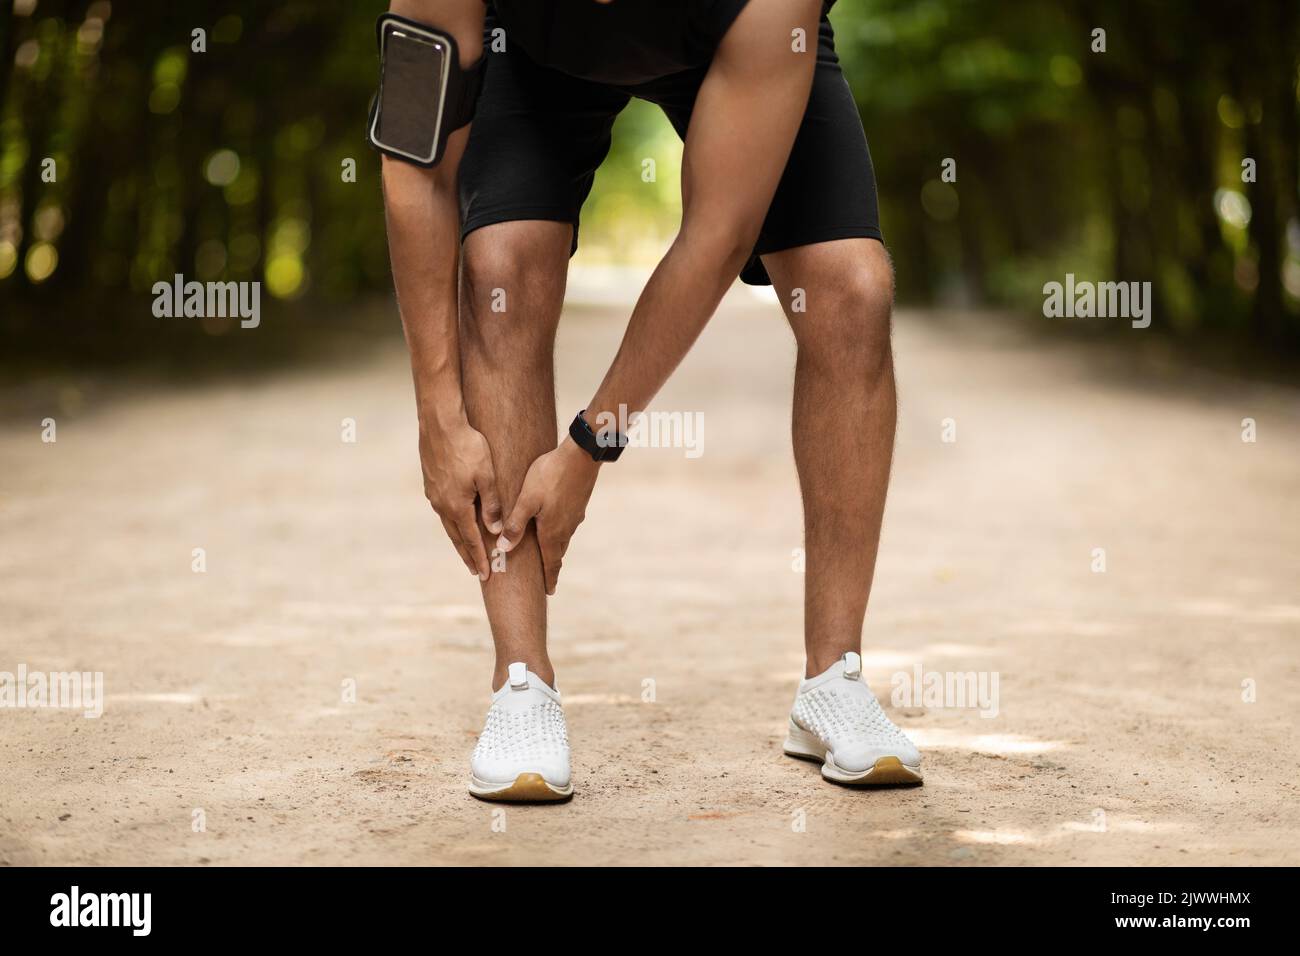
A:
x: 850, y: 332
x: 511, y: 295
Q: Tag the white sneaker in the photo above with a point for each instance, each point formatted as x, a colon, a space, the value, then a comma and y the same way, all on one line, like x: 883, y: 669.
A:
x: 836, y: 719
x: 523, y: 752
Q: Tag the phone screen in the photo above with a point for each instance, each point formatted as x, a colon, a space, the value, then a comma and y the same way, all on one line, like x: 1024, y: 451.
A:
x: 407, y: 122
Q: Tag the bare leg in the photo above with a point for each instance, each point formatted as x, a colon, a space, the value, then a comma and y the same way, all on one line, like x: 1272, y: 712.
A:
x: 845, y: 411
x: 512, y: 290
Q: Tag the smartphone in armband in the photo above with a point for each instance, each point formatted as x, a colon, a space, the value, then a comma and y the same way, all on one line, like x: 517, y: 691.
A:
x: 423, y: 93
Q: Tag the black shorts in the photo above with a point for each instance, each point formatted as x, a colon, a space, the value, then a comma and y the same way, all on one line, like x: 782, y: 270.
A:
x: 539, y: 135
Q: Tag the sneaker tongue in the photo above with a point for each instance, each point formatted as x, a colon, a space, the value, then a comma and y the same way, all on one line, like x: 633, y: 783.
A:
x: 852, y: 665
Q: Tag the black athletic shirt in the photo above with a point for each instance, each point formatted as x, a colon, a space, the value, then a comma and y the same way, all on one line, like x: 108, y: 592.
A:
x: 621, y: 43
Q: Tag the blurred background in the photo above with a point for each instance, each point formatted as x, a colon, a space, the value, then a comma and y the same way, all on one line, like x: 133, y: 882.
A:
x: 228, y: 164
x: 229, y: 523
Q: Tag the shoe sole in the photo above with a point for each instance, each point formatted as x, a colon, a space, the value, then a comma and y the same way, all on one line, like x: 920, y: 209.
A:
x: 527, y: 788
x: 885, y: 772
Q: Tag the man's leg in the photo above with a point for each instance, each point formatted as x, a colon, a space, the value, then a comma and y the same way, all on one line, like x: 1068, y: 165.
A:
x: 844, y: 416
x: 512, y: 289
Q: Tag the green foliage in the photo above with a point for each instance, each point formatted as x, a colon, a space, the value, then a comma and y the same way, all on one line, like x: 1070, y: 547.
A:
x: 1123, y: 164
x: 227, y: 164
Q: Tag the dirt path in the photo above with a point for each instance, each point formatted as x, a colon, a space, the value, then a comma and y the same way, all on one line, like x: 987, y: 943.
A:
x: 1121, y: 734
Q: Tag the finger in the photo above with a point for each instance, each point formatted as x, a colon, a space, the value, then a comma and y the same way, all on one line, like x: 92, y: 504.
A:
x: 468, y: 526
x: 456, y: 542
x: 489, y: 501
x: 551, y: 553
x: 524, y: 510
x: 455, y: 537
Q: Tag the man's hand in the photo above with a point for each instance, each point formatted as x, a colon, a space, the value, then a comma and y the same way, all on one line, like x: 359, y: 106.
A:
x: 555, y: 493
x: 457, y: 469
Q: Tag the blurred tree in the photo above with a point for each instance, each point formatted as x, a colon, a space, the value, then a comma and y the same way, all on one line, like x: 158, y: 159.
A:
x: 1122, y: 164
x: 229, y: 163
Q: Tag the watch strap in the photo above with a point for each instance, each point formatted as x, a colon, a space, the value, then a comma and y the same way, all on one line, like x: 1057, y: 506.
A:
x: 599, y: 449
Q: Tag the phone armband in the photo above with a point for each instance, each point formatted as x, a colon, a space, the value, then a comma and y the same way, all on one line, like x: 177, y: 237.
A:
x: 424, y: 95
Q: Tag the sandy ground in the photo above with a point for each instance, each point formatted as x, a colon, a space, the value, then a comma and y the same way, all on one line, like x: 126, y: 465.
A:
x: 1121, y: 737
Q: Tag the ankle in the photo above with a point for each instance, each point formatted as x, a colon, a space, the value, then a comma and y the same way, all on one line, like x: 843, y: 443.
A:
x: 819, y: 661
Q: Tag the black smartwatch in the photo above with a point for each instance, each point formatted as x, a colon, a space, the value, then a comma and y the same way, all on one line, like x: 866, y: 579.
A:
x: 600, y: 448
